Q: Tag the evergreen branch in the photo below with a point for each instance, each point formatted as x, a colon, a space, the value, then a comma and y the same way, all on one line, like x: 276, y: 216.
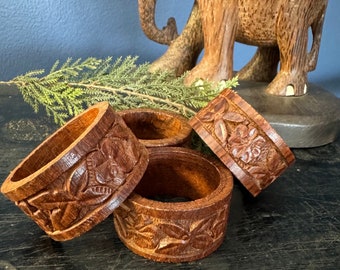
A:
x: 140, y: 96
x: 69, y: 87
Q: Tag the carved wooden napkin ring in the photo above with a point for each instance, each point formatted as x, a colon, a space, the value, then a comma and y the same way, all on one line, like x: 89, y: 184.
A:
x: 80, y: 174
x: 170, y: 231
x: 155, y: 128
x: 243, y: 140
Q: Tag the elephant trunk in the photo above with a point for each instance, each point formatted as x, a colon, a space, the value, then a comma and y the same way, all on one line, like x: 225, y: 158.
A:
x: 146, y: 10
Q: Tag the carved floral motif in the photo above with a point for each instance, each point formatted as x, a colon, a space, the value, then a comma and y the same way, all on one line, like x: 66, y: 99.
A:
x: 88, y: 184
x: 163, y: 236
x: 246, y: 143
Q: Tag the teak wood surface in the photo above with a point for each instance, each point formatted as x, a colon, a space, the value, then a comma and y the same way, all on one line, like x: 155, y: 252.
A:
x: 158, y: 128
x: 279, y: 28
x: 76, y: 177
x: 243, y: 140
x: 180, y: 208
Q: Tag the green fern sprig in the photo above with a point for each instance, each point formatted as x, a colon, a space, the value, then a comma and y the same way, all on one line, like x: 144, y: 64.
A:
x: 70, y: 87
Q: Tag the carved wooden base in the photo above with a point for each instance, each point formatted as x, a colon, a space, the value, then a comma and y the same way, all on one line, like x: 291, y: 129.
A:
x: 155, y: 128
x: 306, y: 121
x: 79, y: 175
x: 169, y: 231
x: 243, y: 140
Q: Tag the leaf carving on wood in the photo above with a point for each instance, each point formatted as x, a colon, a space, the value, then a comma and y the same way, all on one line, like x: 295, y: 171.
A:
x: 164, y: 236
x: 234, y: 117
x: 90, y: 183
x: 221, y: 131
x: 246, y: 143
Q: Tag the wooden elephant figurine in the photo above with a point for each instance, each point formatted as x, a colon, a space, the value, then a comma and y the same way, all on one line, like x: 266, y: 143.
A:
x: 279, y: 28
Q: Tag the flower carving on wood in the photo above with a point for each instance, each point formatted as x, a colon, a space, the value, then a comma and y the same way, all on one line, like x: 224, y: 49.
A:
x: 89, y: 183
x: 249, y: 146
x: 164, y: 236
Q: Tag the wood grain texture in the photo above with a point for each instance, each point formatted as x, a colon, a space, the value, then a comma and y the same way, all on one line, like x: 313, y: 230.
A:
x: 279, y: 28
x: 157, y: 128
x: 176, y: 231
x: 78, y: 175
x: 243, y: 140
x: 183, y: 52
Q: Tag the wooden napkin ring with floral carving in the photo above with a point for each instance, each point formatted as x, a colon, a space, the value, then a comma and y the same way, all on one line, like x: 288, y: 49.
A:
x: 153, y: 224
x: 155, y: 128
x: 243, y: 140
x: 80, y: 174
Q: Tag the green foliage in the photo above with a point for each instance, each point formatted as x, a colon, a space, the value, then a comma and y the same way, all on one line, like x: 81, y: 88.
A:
x: 70, y: 87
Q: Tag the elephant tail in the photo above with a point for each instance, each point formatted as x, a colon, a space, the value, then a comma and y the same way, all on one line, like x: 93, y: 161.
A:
x: 146, y: 10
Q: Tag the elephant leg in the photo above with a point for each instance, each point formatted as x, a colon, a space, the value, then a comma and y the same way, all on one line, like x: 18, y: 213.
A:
x: 292, y: 38
x: 183, y: 52
x: 262, y: 67
x: 219, y: 22
x: 317, y: 32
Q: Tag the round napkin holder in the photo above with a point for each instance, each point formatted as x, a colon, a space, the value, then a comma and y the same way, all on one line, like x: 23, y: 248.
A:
x: 155, y: 222
x: 158, y: 128
x: 243, y: 140
x: 76, y: 178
